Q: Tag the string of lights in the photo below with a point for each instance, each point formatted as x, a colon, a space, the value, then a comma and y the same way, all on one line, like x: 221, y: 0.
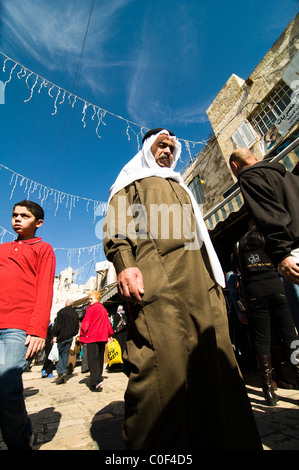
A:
x: 71, y: 252
x: 59, y: 197
x: 60, y: 95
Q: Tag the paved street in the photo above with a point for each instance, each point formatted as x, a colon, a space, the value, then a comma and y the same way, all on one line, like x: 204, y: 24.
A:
x: 71, y: 417
x: 278, y: 425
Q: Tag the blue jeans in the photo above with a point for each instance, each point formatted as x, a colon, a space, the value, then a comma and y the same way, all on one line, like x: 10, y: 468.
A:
x: 63, y: 349
x: 14, y: 422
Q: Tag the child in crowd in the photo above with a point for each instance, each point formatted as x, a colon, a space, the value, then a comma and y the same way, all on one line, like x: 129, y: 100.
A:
x: 27, y: 270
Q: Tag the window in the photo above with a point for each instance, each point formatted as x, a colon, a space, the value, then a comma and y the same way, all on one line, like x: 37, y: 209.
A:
x: 196, y: 189
x: 273, y: 106
x: 244, y: 135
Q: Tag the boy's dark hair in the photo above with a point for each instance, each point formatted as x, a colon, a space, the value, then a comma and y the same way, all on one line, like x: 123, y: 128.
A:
x: 33, y: 207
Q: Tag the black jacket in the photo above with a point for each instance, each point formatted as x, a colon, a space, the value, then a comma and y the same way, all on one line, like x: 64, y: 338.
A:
x: 271, y: 195
x: 66, y: 324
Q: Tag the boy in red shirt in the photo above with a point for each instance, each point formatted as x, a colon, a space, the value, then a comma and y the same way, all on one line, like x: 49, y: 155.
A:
x: 27, y: 270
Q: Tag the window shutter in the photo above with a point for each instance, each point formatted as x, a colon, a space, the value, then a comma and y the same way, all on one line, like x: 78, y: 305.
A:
x: 195, y: 188
x: 244, y: 136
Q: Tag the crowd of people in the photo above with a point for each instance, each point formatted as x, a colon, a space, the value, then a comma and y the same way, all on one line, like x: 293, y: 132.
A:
x: 83, y: 337
x: 180, y: 349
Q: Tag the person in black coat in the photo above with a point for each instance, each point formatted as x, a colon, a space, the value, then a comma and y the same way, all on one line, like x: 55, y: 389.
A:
x: 271, y: 195
x: 65, y: 327
x: 48, y: 366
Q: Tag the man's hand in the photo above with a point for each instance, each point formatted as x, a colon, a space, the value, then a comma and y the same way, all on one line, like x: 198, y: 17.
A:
x: 130, y: 285
x: 35, y: 345
x: 289, y: 269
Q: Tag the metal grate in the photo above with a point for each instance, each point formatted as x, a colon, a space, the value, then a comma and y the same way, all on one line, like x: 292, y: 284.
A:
x: 273, y: 106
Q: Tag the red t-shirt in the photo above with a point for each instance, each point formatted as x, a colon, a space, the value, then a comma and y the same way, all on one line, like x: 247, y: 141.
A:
x: 27, y: 270
x: 96, y: 325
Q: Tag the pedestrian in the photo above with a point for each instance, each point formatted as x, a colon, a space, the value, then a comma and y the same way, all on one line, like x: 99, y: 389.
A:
x: 185, y: 390
x: 74, y: 353
x: 120, y: 327
x: 238, y: 321
x: 27, y: 269
x: 48, y: 366
x: 119, y: 322
x: 66, y: 326
x: 271, y: 195
x: 268, y: 307
x: 96, y: 330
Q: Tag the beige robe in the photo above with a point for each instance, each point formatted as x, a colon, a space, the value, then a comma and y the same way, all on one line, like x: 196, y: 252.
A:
x: 185, y: 391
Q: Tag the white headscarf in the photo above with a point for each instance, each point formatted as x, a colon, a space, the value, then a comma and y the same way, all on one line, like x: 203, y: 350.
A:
x: 144, y: 165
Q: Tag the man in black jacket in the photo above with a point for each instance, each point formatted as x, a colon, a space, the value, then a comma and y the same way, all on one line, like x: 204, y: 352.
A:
x: 65, y: 327
x: 271, y: 195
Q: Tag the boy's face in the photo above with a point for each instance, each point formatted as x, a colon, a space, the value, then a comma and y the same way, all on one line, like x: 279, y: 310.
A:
x: 24, y: 223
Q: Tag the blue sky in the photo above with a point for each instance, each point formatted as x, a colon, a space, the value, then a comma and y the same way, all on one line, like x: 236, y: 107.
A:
x: 147, y: 63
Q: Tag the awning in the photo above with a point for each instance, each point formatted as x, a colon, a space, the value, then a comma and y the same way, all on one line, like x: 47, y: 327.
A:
x: 108, y: 292
x: 79, y: 302
x: 231, y: 204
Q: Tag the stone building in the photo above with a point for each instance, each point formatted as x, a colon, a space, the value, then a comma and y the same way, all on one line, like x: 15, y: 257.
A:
x: 208, y: 176
x: 261, y: 113
x: 245, y: 112
x: 65, y: 287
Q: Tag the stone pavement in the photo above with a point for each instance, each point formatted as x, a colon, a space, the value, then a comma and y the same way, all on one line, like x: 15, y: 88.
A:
x: 278, y: 425
x: 71, y: 417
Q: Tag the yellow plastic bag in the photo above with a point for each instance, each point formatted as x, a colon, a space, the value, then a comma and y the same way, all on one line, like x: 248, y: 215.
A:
x: 114, y: 353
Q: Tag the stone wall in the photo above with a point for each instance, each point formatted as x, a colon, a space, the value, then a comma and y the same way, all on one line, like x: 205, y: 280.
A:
x: 212, y: 169
x: 239, y: 98
x: 235, y: 102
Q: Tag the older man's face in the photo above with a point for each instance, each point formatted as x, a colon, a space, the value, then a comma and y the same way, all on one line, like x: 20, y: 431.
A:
x: 162, y: 149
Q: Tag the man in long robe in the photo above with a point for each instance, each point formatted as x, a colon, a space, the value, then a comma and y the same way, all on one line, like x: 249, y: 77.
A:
x: 185, y: 391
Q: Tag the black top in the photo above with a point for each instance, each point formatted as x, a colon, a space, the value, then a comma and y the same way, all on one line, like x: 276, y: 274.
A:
x: 66, y: 324
x: 271, y: 195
